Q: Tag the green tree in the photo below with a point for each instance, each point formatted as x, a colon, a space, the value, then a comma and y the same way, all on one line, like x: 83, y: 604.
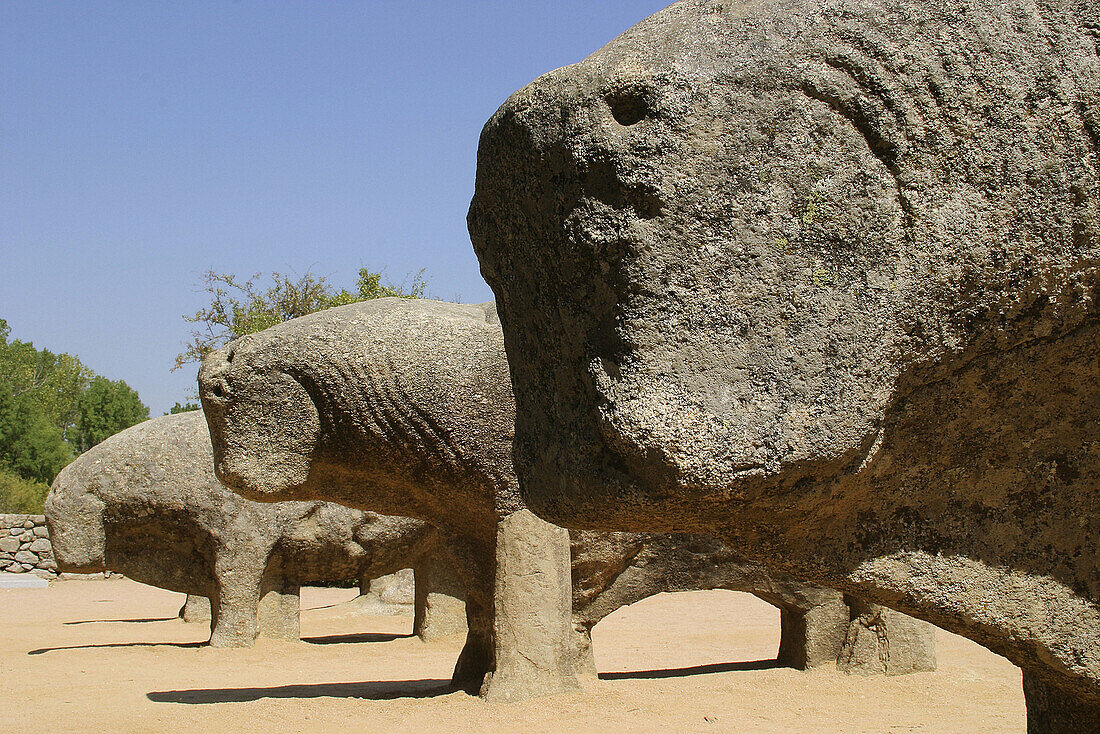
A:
x: 238, y: 307
x: 30, y: 446
x: 19, y: 495
x: 370, y: 286
x: 185, y: 408
x: 52, y: 382
x: 38, y: 390
x: 51, y: 407
x: 105, y: 408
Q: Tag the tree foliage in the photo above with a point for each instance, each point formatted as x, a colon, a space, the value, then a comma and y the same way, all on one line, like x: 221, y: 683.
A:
x: 19, y: 495
x: 239, y: 307
x: 104, y: 409
x: 51, y: 408
x: 184, y: 408
x: 51, y: 382
x: 30, y: 446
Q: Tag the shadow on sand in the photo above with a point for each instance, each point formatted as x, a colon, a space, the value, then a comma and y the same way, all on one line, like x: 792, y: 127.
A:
x: 382, y: 690
x: 323, y: 640
x: 358, y: 637
x: 390, y: 689
x: 105, y: 621
x: 693, y: 670
x: 41, y: 650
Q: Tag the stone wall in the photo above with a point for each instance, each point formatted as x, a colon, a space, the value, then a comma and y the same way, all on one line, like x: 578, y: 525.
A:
x: 25, y: 546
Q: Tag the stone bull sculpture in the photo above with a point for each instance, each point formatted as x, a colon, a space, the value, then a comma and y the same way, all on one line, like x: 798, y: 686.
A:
x: 145, y: 503
x: 820, y: 278
x: 818, y: 626
x: 404, y: 406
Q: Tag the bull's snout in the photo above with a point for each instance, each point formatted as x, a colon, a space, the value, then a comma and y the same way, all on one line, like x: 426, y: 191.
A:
x: 213, y: 385
x: 75, y: 523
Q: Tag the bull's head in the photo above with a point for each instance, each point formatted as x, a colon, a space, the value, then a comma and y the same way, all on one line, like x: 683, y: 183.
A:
x: 264, y: 425
x: 722, y: 244
x: 74, y: 517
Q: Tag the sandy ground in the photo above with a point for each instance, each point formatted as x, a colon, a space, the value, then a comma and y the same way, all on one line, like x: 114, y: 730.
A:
x: 110, y: 656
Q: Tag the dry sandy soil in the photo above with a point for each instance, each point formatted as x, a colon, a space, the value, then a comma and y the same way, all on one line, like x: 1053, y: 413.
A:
x: 110, y: 656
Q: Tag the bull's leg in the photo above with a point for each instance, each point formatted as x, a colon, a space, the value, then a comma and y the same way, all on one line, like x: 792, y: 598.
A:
x: 473, y: 561
x: 475, y: 662
x: 277, y: 613
x: 1053, y: 711
x: 534, y: 639
x: 880, y: 641
x: 234, y: 607
x: 439, y: 599
x: 195, y: 609
x: 584, y: 663
x: 814, y: 636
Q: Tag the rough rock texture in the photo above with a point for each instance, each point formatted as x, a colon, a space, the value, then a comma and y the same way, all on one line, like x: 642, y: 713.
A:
x: 535, y: 642
x: 880, y: 640
x: 195, y: 609
x: 440, y: 599
x: 820, y: 277
x: 402, y: 407
x: 394, y: 594
x: 145, y: 503
x: 24, y: 542
x: 819, y: 626
x: 396, y: 589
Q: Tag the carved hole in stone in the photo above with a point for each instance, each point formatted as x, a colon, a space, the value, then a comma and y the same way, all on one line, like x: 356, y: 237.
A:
x: 648, y: 206
x: 628, y: 106
x: 216, y: 390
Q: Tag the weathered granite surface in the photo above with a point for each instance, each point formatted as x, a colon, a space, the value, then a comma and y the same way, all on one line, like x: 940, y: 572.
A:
x: 404, y: 407
x: 820, y: 277
x: 819, y: 626
x: 195, y: 609
x: 145, y: 503
x: 394, y: 594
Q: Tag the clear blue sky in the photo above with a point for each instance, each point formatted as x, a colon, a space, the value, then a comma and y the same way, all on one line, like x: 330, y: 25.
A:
x: 143, y: 143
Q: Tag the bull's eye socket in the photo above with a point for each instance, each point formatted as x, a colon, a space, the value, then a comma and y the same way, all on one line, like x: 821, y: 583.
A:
x: 628, y: 106
x: 216, y: 390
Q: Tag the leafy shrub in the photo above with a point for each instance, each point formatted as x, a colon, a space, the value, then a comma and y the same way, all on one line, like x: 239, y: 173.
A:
x: 21, y: 496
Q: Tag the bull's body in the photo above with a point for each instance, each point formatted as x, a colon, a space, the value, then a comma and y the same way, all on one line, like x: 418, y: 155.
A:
x: 405, y: 407
x: 822, y: 277
x: 145, y: 503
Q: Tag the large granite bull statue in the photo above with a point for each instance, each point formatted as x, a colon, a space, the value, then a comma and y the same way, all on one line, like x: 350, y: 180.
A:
x: 145, y: 503
x: 820, y: 278
x: 404, y: 406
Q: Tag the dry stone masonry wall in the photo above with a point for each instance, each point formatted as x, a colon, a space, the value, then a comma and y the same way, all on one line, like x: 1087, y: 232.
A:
x: 25, y: 546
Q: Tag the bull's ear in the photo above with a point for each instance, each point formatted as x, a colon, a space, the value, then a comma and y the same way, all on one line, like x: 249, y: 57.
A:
x: 296, y: 405
x: 312, y: 389
x: 306, y: 381
x: 268, y: 437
